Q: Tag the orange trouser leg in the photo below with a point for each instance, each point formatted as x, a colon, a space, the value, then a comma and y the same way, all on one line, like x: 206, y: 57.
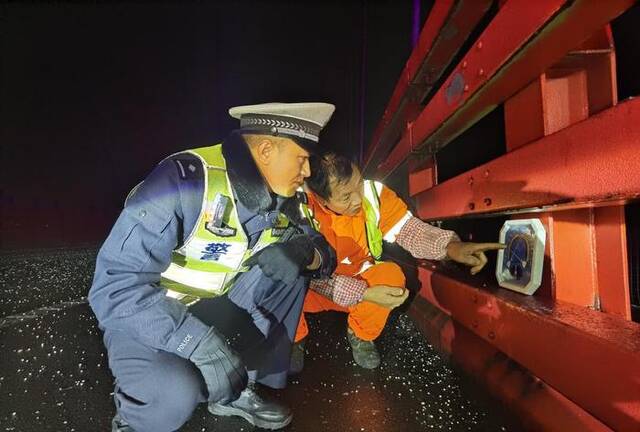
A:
x: 313, y: 303
x: 366, y: 319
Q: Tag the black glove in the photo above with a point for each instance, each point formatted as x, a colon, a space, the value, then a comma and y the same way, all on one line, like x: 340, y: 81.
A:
x: 284, y: 261
x: 221, y: 368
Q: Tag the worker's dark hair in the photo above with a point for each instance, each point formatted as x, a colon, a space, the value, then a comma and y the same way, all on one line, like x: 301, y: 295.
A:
x: 326, y: 167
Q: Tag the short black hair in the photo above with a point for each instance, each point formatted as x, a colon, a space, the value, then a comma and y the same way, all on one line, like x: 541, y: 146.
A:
x: 324, y: 168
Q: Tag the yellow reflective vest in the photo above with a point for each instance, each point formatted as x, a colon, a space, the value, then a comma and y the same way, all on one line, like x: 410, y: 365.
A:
x: 213, y: 253
x: 371, y: 207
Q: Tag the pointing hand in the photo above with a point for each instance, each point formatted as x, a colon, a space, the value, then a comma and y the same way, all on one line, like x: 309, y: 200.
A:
x: 471, y: 254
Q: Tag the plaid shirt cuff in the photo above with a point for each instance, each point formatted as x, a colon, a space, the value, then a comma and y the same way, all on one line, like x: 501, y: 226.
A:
x: 425, y: 241
x: 342, y: 290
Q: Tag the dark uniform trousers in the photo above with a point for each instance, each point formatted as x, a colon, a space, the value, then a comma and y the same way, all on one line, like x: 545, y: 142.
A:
x: 158, y: 391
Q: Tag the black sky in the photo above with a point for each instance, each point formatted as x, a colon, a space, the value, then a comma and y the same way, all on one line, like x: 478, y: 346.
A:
x: 94, y: 95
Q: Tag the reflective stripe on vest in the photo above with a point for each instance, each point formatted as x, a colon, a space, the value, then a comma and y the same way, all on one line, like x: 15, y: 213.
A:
x: 207, y: 263
x: 371, y: 207
x: 306, y: 212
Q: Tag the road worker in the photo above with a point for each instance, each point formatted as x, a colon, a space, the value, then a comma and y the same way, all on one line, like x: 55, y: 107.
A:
x: 356, y: 216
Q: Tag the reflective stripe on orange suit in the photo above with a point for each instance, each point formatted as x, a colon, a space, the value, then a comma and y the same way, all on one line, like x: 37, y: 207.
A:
x: 349, y: 238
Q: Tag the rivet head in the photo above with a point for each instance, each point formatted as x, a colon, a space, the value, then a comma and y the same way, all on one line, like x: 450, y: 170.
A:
x: 480, y: 45
x: 486, y: 173
x: 142, y: 213
x: 470, y: 181
x: 472, y: 206
x: 487, y: 201
x: 480, y: 72
x: 466, y: 87
x: 492, y: 335
x: 464, y: 64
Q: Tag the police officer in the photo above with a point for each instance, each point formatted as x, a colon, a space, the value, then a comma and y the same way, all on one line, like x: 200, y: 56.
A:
x: 200, y: 284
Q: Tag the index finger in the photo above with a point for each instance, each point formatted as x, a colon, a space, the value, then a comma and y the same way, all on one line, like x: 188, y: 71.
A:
x: 483, y: 247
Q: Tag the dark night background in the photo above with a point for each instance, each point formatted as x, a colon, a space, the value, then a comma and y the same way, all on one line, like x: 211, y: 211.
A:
x: 94, y: 95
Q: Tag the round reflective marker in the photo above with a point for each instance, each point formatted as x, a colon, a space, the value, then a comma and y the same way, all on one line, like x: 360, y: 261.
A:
x: 519, y: 265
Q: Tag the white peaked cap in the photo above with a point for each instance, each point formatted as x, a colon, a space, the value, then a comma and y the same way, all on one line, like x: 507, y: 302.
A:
x: 302, y: 120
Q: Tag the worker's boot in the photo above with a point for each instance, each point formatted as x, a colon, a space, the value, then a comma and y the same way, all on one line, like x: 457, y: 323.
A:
x: 297, y: 358
x: 119, y: 425
x: 365, y: 353
x: 254, y: 409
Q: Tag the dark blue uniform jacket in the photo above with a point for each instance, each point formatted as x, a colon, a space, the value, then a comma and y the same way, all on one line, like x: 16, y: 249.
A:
x: 157, y: 218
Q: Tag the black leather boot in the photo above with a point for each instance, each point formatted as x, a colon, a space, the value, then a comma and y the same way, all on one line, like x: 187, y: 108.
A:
x: 255, y: 409
x: 119, y: 425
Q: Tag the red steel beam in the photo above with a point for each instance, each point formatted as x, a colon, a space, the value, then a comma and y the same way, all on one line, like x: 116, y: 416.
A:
x: 436, y: 19
x: 592, y: 358
x: 612, y: 262
x: 592, y: 161
x: 524, y: 39
x: 583, y: 83
x: 537, y: 405
x: 447, y: 27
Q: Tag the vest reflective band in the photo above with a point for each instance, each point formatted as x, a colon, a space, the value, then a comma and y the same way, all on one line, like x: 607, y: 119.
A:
x: 371, y: 207
x: 207, y: 263
x: 307, y: 213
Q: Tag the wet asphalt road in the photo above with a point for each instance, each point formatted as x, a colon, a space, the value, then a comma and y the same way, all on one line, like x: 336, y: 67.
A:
x: 54, y: 374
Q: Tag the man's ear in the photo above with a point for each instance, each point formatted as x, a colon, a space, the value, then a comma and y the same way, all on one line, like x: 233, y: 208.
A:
x: 265, y: 151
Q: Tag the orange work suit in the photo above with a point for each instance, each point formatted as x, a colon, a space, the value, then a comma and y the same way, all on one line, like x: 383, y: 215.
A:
x: 348, y: 236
